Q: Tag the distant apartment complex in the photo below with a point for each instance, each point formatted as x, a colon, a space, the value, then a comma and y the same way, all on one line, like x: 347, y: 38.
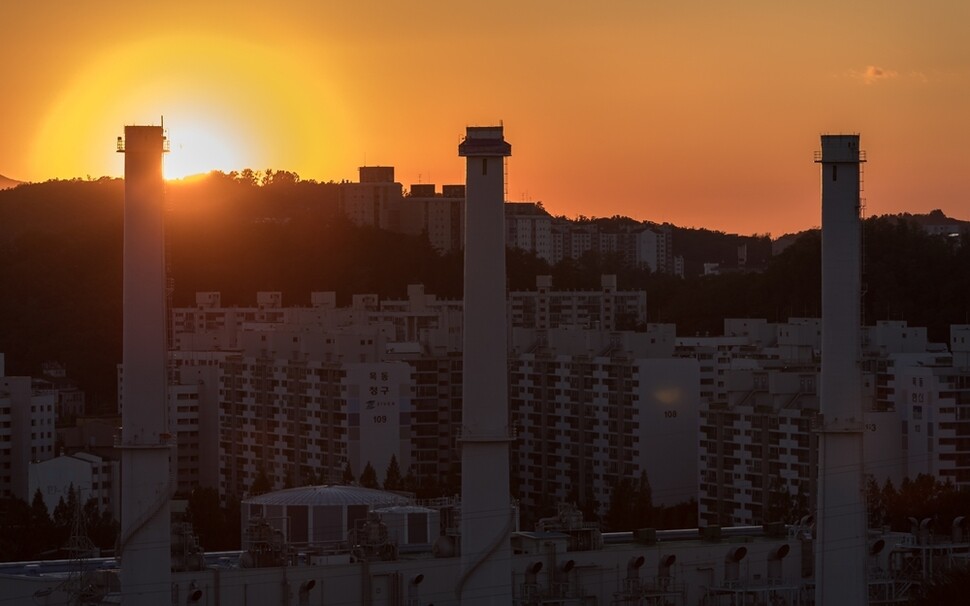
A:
x: 30, y: 409
x: 378, y: 201
x: 298, y: 393
x: 758, y: 449
x: 605, y: 309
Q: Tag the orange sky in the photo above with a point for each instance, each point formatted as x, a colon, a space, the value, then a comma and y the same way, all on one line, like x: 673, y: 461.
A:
x: 699, y: 113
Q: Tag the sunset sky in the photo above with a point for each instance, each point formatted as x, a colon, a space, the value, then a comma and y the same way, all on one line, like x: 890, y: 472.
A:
x: 702, y: 114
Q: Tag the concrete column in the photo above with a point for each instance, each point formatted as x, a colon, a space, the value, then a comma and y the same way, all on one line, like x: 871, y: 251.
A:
x: 840, y: 556
x: 486, y: 517
x: 145, y: 483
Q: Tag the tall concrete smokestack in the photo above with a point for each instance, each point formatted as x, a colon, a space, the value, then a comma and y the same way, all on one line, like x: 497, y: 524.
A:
x: 840, y: 573
x: 145, y: 441
x: 486, y: 517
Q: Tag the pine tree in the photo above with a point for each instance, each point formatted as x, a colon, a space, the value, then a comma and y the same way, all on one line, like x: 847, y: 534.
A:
x: 643, y: 503
x: 618, y: 516
x: 411, y: 481
x: 392, y: 477
x: 63, y: 517
x: 41, y: 534
x: 368, y: 478
x: 313, y: 477
x: 261, y: 485
x: 102, y: 528
x: 348, y: 477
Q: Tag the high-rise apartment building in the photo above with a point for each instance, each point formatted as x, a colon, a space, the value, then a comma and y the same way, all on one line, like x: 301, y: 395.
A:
x: 754, y: 450
x: 440, y: 216
x: 28, y: 410
x: 593, y: 407
x: 375, y: 200
x: 759, y: 388
x: 604, y: 309
x: 273, y: 387
x: 528, y: 227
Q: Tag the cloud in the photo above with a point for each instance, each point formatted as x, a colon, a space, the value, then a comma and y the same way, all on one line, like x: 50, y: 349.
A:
x: 919, y: 76
x: 873, y: 74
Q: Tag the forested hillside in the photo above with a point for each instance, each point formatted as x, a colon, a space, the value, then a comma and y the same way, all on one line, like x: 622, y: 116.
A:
x: 61, y: 244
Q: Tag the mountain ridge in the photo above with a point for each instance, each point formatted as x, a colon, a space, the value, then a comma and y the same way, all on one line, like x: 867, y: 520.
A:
x: 7, y: 182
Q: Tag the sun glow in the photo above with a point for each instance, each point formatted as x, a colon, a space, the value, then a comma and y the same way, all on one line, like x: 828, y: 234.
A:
x: 195, y: 149
x: 227, y: 105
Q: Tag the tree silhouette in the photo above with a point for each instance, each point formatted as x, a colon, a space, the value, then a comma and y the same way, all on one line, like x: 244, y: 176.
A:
x: 783, y: 506
x: 631, y: 505
x: 63, y: 517
x: 392, y: 477
x: 42, y: 533
x: 261, y: 484
x: 290, y: 236
x: 215, y: 525
x: 368, y: 477
x: 410, y: 482
x: 348, y: 476
x: 15, y: 535
x: 100, y: 525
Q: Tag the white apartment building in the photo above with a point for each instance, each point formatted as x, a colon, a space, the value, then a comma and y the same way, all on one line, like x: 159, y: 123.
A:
x: 649, y: 249
x: 640, y: 245
x: 192, y: 396
x: 289, y: 380
x: 89, y: 475
x: 760, y: 406
x: 528, y: 227
x: 27, y: 414
x: 301, y: 400
x: 605, y: 309
x: 929, y: 392
x: 374, y: 201
x: 293, y: 419
x: 592, y: 407
x: 440, y: 216
x: 70, y: 398
x: 286, y: 379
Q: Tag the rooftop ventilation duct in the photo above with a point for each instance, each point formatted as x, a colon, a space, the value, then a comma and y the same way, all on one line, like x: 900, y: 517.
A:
x: 775, y: 558
x: 732, y: 563
x: 957, y: 529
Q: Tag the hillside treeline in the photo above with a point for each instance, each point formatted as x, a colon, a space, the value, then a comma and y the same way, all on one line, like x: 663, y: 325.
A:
x: 61, y: 255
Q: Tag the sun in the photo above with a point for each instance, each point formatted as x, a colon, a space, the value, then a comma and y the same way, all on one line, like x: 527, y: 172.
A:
x: 227, y: 104
x: 200, y: 146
